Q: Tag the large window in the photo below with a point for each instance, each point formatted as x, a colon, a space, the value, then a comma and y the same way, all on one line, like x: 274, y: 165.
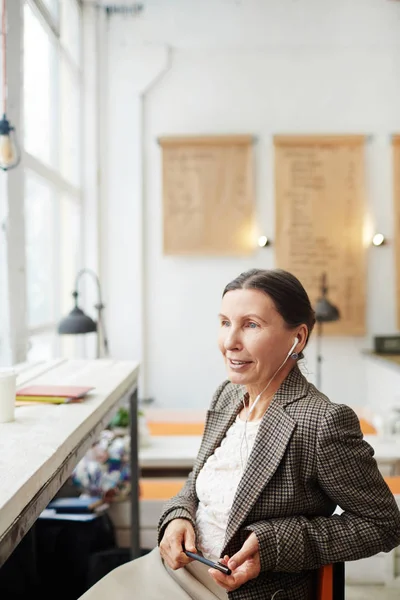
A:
x: 41, y: 223
x: 40, y: 88
x: 52, y: 141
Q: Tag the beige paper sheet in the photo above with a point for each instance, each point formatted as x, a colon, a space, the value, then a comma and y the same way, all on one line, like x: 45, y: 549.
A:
x: 208, y: 195
x: 319, y: 220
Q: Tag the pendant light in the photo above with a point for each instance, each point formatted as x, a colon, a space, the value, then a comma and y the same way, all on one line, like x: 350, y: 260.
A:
x: 9, y: 150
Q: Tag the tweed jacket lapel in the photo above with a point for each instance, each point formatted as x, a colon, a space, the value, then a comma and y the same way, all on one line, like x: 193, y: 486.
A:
x: 273, y: 436
x: 218, y: 422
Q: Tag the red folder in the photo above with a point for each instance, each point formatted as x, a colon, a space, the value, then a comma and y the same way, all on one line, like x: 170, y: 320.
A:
x: 60, y: 391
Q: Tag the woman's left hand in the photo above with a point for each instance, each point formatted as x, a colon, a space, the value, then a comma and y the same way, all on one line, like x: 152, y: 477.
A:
x: 245, y: 565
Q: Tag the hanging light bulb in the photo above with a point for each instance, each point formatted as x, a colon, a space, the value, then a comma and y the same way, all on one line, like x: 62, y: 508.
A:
x: 9, y: 151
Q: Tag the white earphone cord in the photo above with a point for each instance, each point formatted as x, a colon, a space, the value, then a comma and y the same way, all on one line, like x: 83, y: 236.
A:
x: 248, y: 413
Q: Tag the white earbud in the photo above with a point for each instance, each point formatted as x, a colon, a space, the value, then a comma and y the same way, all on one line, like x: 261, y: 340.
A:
x: 296, y: 341
x: 250, y: 410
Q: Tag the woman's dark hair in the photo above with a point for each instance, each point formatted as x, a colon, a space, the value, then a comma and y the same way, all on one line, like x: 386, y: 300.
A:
x: 290, y: 298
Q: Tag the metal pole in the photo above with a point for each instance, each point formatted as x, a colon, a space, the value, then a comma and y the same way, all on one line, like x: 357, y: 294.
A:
x: 319, y: 355
x: 135, y: 533
x: 98, y: 332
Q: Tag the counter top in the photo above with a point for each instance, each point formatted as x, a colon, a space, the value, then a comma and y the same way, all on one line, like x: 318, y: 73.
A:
x: 43, y: 444
x: 392, y: 360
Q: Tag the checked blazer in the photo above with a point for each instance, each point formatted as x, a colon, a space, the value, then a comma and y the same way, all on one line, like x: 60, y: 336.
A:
x: 309, y: 457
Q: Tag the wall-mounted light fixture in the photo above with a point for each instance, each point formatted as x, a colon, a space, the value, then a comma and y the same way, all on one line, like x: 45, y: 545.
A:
x: 378, y: 239
x: 263, y: 241
x: 9, y: 150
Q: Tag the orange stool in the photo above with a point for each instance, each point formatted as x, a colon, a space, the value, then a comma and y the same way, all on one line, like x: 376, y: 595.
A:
x: 175, y: 428
x: 159, y: 489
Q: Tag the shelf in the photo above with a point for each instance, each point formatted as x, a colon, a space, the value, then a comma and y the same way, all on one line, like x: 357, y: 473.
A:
x: 389, y: 359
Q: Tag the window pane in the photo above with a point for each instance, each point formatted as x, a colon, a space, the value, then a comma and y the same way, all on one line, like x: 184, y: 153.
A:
x: 40, y: 90
x: 70, y: 250
x: 40, y: 245
x: 72, y: 346
x: 53, y: 8
x: 70, y: 138
x: 71, y: 29
x: 42, y: 347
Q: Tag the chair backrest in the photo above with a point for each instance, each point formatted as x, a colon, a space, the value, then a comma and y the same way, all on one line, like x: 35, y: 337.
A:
x: 331, y: 582
x: 394, y: 484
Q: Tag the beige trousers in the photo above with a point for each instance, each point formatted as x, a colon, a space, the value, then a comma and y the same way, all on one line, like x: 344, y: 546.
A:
x: 147, y: 578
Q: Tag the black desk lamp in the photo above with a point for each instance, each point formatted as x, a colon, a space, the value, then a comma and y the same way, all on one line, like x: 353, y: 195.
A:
x: 78, y: 322
x: 325, y: 312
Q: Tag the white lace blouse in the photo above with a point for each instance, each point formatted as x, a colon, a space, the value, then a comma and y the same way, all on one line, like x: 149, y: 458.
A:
x: 216, y: 486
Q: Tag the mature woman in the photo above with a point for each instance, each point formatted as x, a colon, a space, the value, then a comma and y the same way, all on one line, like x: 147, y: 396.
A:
x: 276, y: 459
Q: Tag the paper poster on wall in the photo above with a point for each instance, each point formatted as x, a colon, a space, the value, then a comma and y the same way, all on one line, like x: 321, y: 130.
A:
x: 208, y: 195
x: 396, y: 205
x: 319, y: 196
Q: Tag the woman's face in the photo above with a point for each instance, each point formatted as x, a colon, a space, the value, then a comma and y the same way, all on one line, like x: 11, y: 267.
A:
x: 253, y: 337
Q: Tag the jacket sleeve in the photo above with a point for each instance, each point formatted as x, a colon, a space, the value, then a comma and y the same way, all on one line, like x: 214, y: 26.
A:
x: 184, y: 504
x: 348, y: 474
x: 181, y: 506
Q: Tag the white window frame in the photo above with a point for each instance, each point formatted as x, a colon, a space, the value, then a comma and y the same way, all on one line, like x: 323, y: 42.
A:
x: 49, y: 174
x: 14, y: 346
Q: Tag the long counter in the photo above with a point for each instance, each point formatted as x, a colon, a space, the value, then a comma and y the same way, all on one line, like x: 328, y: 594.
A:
x: 42, y: 446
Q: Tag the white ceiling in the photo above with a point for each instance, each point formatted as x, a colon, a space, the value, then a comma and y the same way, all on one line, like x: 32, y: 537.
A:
x: 262, y: 23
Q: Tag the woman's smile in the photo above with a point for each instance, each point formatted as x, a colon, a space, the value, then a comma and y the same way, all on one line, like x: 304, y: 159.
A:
x: 239, y: 365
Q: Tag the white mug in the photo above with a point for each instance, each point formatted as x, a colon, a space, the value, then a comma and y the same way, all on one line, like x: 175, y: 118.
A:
x: 8, y: 380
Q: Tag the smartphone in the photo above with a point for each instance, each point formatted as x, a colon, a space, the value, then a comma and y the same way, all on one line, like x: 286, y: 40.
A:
x: 224, y: 569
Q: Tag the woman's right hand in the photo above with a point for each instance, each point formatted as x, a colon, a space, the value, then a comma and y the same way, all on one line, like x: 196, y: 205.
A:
x: 178, y: 534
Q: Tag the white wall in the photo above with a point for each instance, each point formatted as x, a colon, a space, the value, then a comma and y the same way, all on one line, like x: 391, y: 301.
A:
x: 383, y: 381
x: 223, y: 66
